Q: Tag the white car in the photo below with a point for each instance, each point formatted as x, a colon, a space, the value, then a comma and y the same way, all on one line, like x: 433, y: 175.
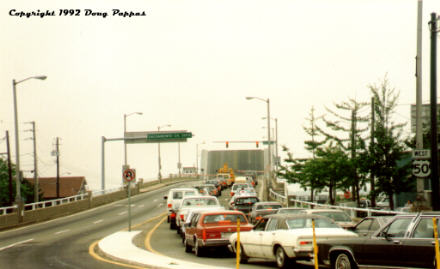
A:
x: 191, y: 202
x: 339, y: 216
x: 286, y: 238
x: 174, y: 198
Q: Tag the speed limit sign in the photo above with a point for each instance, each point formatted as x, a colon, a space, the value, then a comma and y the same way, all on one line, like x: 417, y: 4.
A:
x: 421, y: 168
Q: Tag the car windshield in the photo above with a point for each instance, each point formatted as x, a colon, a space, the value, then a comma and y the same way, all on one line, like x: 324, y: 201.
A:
x: 300, y: 223
x: 224, y: 218
x: 336, y: 216
x: 192, y: 202
x: 189, y: 193
x: 245, y: 200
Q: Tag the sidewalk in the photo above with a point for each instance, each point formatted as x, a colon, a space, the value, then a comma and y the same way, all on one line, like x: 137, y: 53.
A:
x: 120, y: 246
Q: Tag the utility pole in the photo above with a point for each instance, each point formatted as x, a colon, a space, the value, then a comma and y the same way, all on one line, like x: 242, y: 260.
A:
x: 372, y: 187
x: 58, y: 166
x: 434, y: 143
x: 36, y: 183
x: 9, y: 168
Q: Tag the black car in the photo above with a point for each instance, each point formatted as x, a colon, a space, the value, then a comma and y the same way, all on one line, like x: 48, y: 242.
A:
x: 406, y: 241
x: 244, y: 203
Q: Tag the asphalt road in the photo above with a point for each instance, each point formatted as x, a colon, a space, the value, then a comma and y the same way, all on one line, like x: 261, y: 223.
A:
x: 64, y: 242
x: 169, y: 243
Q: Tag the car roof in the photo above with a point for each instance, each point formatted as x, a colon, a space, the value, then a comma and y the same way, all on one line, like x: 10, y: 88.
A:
x: 267, y: 203
x: 200, y: 197
x: 297, y: 216
x: 182, y: 189
x: 323, y: 210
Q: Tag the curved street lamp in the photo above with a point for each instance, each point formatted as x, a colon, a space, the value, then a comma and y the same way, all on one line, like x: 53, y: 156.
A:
x: 18, y: 199
x: 267, y: 101
x: 125, y: 130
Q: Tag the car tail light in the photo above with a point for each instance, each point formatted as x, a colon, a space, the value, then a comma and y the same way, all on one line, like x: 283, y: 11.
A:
x: 173, y: 215
x: 204, y: 235
x: 182, y: 217
x: 170, y: 205
x: 304, y: 243
x: 232, y: 193
x: 258, y: 218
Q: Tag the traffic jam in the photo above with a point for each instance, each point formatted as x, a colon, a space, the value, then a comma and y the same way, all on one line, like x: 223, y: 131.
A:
x: 285, y: 235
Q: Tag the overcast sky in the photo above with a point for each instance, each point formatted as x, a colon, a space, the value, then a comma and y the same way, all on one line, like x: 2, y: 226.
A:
x: 191, y: 64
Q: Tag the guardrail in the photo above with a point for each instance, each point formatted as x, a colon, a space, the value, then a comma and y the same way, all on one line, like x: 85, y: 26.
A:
x: 65, y: 200
x: 353, y: 210
x: 7, y: 209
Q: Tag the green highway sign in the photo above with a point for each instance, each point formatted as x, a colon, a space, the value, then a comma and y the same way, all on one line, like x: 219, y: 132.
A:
x: 164, y: 136
x: 271, y: 142
x: 156, y: 137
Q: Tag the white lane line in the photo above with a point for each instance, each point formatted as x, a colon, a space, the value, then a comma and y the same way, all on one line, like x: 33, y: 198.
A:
x: 155, y: 200
x: 141, y: 205
x: 122, y: 213
x: 17, y: 243
x: 63, y: 231
x: 98, y: 221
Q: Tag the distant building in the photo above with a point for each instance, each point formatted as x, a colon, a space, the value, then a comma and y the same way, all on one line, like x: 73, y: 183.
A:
x: 69, y: 186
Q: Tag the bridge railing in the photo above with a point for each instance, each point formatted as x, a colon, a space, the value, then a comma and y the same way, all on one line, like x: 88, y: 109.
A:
x: 7, y: 209
x: 352, y: 210
x: 102, y: 192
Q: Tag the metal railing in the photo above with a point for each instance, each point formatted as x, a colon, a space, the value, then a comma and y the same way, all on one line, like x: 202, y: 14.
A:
x: 7, y: 209
x: 353, y: 210
x: 44, y: 204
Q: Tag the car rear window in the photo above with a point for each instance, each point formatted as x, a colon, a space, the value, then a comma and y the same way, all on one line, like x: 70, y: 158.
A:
x: 336, y: 216
x: 224, y: 218
x: 200, y: 202
x: 246, y: 200
x: 300, y: 223
x: 269, y: 206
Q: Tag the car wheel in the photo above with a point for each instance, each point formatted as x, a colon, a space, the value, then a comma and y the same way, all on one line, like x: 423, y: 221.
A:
x: 282, y: 259
x: 178, y: 230
x: 188, y: 248
x: 343, y: 261
x: 243, y: 257
x: 198, y: 250
x: 172, y: 224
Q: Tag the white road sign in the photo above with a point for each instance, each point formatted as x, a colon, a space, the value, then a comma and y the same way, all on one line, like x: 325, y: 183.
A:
x: 421, y: 168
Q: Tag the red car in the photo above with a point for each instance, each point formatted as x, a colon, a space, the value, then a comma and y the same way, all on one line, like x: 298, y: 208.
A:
x: 212, y: 229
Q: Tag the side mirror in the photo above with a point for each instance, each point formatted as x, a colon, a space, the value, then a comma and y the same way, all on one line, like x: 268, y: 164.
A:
x: 165, y: 197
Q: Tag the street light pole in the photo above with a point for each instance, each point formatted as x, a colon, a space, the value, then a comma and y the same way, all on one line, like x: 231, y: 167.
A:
x: 18, y: 199
x: 158, y: 151
x: 125, y: 130
x: 268, y: 137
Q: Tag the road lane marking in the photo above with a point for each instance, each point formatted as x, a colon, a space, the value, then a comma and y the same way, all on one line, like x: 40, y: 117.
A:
x: 17, y: 243
x: 99, y: 258
x: 141, y: 205
x: 98, y: 221
x: 148, y: 238
x: 155, y: 200
x: 63, y: 231
x: 122, y: 213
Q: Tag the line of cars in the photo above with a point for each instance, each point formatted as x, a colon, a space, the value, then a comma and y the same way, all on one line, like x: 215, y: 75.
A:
x: 284, y: 235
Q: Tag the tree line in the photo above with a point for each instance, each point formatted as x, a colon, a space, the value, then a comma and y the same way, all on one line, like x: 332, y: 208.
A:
x: 351, y: 148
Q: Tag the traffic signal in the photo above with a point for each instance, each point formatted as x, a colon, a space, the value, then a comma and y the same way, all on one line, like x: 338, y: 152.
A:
x: 227, y: 144
x: 257, y: 144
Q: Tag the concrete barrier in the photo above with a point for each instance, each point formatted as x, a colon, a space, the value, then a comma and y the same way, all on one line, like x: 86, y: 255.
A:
x: 12, y: 220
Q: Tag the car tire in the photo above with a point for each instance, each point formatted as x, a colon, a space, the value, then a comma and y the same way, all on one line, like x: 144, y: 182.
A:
x: 283, y: 261
x: 172, y: 224
x: 243, y: 257
x: 188, y: 248
x: 198, y: 250
x: 344, y: 261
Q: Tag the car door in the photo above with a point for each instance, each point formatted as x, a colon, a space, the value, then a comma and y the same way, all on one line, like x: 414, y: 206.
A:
x: 385, y: 248
x: 418, y: 249
x: 267, y: 237
x: 251, y: 240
